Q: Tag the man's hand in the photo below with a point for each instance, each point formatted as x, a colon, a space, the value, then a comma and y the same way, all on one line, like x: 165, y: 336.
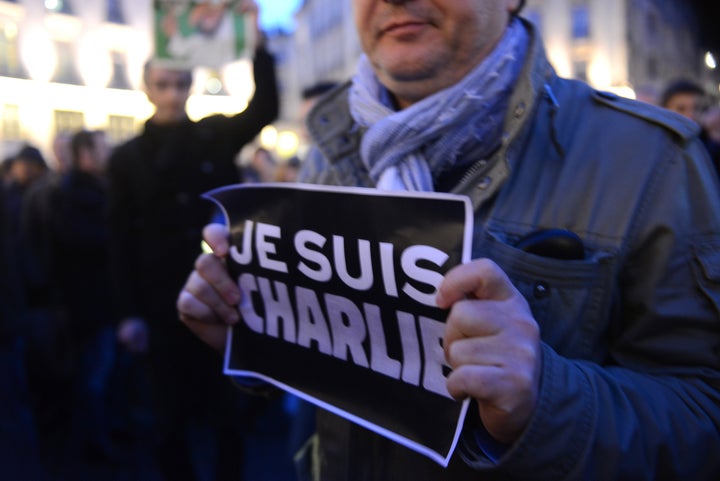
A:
x: 492, y: 344
x: 208, y: 302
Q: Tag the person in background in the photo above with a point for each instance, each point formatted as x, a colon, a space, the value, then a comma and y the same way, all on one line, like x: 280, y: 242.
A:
x: 155, y: 213
x: 595, y: 363
x: 685, y: 97
x: 288, y: 171
x: 19, y: 446
x: 23, y: 170
x: 23, y: 447
x: 27, y: 168
x: 68, y: 276
x: 262, y: 168
x: 688, y: 98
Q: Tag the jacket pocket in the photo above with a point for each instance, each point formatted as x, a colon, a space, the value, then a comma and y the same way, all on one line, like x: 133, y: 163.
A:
x: 570, y: 299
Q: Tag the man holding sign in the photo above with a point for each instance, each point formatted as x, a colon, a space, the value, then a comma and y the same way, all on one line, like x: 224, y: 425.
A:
x: 585, y: 332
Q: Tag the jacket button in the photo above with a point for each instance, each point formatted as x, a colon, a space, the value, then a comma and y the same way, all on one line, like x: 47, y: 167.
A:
x: 520, y: 110
x: 484, y: 183
x: 541, y: 290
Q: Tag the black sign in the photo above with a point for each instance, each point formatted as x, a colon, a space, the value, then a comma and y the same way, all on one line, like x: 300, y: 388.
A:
x: 338, y: 305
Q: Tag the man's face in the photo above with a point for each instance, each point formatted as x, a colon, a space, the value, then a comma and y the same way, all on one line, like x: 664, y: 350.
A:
x: 418, y: 47
x: 687, y: 104
x: 168, y: 90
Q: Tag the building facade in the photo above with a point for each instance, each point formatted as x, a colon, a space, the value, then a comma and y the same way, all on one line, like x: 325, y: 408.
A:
x: 633, y: 47
x: 325, y: 47
x: 69, y: 64
x: 66, y: 64
x: 620, y: 45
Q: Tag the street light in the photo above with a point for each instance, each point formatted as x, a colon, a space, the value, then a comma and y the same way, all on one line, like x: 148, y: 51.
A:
x: 710, y: 61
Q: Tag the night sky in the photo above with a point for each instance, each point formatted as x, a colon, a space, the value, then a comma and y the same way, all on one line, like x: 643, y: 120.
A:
x: 709, y: 15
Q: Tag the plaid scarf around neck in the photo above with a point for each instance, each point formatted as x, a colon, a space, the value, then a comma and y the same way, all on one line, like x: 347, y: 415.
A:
x: 406, y: 149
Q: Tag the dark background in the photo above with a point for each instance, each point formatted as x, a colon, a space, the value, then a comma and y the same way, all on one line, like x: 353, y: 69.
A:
x: 708, y: 14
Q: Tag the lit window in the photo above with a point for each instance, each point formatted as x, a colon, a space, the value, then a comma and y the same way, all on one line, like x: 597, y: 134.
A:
x: 119, y: 78
x: 580, y: 68
x: 10, y: 65
x: 114, y: 12
x: 120, y: 128
x: 580, y: 22
x: 68, y: 121
x: 11, y: 122
x: 66, y: 72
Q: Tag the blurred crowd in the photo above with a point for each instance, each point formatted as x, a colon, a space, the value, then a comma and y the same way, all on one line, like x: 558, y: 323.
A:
x: 98, y: 378
x: 80, y: 386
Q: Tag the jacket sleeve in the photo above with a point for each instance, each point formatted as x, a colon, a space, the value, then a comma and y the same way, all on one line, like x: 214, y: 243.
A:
x: 263, y: 108
x: 651, y: 410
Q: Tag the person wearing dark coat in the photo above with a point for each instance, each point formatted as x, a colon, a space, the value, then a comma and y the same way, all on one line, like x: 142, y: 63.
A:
x: 67, y: 276
x: 156, y: 215
x: 19, y: 449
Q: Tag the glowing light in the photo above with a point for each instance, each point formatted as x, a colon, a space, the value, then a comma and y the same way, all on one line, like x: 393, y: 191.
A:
x: 287, y: 144
x: 237, y: 78
x: 213, y: 85
x: 39, y: 55
x: 599, y: 72
x: 94, y: 62
x: 54, y: 5
x: 10, y: 30
x: 710, y: 61
x: 623, y: 91
x: 269, y: 137
x: 200, y: 106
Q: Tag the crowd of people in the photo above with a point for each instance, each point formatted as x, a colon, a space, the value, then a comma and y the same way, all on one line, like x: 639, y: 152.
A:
x: 611, y: 371
x: 100, y: 378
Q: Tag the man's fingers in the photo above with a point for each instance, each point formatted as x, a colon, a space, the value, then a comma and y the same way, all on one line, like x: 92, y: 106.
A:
x: 480, y: 382
x: 218, y: 238
x: 479, y: 351
x: 212, y: 272
x: 511, y: 352
x: 479, y: 279
x: 506, y: 397
x: 205, y: 307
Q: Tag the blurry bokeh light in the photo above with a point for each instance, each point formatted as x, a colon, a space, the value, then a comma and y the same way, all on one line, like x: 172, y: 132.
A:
x: 287, y: 144
x: 94, y: 61
x: 39, y: 54
x: 269, y: 137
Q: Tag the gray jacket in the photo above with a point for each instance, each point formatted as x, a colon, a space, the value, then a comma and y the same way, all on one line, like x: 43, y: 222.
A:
x: 630, y: 386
